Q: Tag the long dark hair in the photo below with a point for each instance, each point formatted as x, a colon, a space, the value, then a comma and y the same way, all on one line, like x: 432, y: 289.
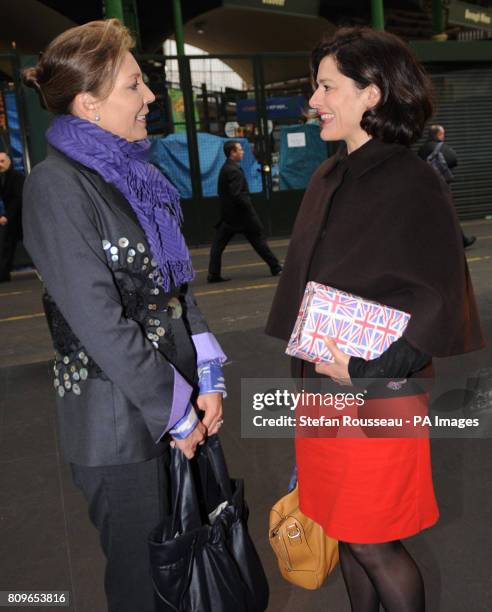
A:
x: 370, y: 57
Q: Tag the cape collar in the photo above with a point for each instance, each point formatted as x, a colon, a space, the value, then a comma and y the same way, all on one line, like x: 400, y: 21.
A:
x: 368, y: 156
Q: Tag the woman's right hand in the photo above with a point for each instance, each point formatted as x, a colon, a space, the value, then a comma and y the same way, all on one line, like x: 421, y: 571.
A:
x: 337, y: 370
x: 188, y: 445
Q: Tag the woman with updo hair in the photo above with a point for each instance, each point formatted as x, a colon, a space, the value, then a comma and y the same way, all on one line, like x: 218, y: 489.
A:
x: 134, y: 358
x: 377, y: 222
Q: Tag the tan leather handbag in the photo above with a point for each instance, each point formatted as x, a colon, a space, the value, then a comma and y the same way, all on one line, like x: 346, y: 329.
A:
x: 304, y: 553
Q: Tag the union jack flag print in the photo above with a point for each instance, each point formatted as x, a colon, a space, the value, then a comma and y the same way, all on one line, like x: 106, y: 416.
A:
x: 361, y: 328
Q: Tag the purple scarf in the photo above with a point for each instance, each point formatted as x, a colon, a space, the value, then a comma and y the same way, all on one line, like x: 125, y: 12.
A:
x: 154, y: 200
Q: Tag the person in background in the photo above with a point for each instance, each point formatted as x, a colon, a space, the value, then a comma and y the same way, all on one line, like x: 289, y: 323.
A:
x: 237, y: 215
x: 135, y: 363
x: 11, y: 184
x: 436, y: 137
x: 3, y: 218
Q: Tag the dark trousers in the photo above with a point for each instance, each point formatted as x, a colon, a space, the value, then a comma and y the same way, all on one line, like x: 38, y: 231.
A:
x: 253, y: 236
x: 125, y: 503
x: 8, y: 243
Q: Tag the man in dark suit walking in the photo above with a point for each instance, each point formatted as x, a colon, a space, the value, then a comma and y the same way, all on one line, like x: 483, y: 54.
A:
x: 237, y: 215
x: 11, y: 184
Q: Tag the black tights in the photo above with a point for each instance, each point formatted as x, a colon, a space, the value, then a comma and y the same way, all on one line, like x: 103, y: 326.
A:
x: 383, y: 574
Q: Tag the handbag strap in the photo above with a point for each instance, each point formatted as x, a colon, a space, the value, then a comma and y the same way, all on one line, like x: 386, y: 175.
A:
x: 186, y: 509
x: 215, y: 456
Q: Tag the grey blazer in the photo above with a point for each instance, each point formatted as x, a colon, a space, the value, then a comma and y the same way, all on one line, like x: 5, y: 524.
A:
x: 125, y: 361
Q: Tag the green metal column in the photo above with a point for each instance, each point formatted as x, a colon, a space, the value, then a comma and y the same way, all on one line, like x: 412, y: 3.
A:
x: 113, y: 9
x: 126, y: 12
x: 178, y: 27
x: 377, y: 11
x: 189, y: 107
x: 437, y: 17
x: 130, y: 13
x: 265, y: 153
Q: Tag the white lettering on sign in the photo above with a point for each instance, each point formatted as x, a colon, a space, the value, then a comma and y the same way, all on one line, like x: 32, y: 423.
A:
x: 478, y: 17
x: 296, y: 139
x: 274, y: 2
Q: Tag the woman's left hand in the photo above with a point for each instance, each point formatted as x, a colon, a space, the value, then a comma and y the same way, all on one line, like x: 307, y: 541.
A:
x: 338, y: 370
x: 211, y: 404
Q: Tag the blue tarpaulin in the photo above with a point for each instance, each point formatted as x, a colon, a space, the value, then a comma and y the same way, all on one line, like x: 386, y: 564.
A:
x: 15, y: 135
x: 297, y: 163
x: 170, y: 154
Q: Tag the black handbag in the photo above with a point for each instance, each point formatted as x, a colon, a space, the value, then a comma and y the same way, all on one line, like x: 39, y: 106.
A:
x: 202, y: 556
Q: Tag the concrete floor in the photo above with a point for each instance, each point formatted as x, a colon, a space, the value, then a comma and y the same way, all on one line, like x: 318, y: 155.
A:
x: 46, y: 539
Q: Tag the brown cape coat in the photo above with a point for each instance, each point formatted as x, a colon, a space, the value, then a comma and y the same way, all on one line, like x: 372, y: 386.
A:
x: 381, y: 224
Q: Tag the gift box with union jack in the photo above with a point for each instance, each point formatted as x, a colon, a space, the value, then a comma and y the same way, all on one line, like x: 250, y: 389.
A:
x: 361, y: 328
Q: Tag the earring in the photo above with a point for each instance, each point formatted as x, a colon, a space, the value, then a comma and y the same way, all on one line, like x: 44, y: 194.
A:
x: 97, y: 118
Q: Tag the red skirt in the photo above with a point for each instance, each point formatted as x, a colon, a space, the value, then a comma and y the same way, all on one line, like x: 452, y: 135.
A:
x: 369, y: 489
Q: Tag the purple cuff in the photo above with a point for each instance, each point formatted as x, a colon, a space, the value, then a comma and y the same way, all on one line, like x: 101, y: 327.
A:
x: 207, y: 348
x: 211, y: 378
x: 181, y: 399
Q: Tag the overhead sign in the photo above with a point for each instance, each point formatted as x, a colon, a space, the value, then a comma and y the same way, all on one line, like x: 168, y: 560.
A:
x: 308, y: 8
x: 280, y: 107
x: 470, y: 15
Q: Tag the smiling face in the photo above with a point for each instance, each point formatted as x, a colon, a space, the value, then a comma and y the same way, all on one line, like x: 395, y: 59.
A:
x: 340, y: 105
x: 123, y: 111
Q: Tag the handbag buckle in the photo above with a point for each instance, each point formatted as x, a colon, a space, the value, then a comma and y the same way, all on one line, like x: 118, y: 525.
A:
x: 293, y: 532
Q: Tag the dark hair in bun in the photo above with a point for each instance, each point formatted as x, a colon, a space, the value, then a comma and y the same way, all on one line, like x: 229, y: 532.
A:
x: 30, y: 77
x: 82, y: 59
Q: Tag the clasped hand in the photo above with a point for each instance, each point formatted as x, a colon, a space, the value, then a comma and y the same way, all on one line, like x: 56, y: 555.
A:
x: 338, y: 370
x: 211, y: 405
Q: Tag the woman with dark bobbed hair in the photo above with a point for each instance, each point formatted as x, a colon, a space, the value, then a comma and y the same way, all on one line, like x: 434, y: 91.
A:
x: 134, y: 359
x: 377, y: 222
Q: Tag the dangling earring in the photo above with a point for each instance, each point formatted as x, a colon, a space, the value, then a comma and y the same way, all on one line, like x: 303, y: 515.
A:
x: 97, y: 118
